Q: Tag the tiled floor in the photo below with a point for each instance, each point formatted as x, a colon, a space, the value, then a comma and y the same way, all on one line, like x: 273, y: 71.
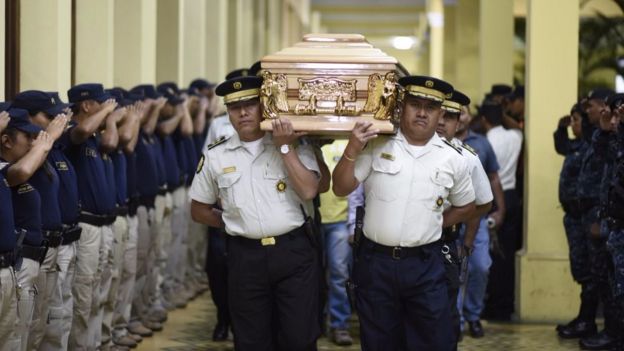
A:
x: 191, y: 329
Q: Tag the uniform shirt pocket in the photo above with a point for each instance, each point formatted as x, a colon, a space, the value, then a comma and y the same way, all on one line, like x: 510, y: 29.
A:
x: 279, y: 183
x: 383, y: 179
x: 442, y: 183
x: 227, y: 189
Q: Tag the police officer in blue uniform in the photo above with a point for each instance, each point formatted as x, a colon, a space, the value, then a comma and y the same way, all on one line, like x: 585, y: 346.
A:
x: 92, y: 104
x: 573, y: 151
x: 9, y: 339
x: 22, y: 155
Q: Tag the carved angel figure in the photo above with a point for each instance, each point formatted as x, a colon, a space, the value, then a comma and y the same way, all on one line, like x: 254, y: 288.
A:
x: 273, y: 94
x: 375, y: 90
x: 388, y: 97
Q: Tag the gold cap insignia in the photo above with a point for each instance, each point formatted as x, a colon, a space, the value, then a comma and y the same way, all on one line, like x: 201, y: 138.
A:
x: 449, y: 95
x: 439, y: 201
x: 429, y: 84
x: 281, y: 186
x: 237, y: 85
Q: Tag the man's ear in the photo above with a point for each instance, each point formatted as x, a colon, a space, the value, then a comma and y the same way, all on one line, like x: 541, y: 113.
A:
x: 6, y: 142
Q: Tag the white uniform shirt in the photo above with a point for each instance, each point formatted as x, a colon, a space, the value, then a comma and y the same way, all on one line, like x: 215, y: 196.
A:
x: 220, y: 127
x: 507, y: 144
x: 406, y: 189
x: 480, y: 180
x: 256, y: 194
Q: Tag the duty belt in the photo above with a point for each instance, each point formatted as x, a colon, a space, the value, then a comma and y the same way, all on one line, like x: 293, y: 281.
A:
x: 122, y: 211
x: 71, y: 234
x: 97, y: 220
x: 400, y: 252
x: 52, y: 238
x: 270, y: 240
x: 7, y: 259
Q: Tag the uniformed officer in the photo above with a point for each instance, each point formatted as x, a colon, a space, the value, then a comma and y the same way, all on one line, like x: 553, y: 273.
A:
x: 22, y: 155
x: 93, y: 107
x: 471, y: 301
x: 573, y: 151
x: 9, y: 338
x: 272, y: 263
x: 148, y: 189
x: 46, y: 181
x: 447, y: 129
x: 401, y: 293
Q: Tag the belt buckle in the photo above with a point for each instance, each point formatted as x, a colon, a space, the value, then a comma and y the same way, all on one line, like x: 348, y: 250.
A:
x: 396, y: 253
x: 270, y: 240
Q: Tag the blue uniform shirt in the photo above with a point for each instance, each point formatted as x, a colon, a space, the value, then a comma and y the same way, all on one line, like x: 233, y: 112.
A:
x: 7, y: 229
x: 121, y: 183
x: 109, y: 170
x: 26, y: 211
x: 182, y: 156
x: 131, y: 175
x: 146, y: 167
x: 171, y: 161
x: 590, y: 175
x: 46, y: 181
x: 484, y: 150
x: 96, y: 196
x: 191, y: 154
x: 160, y: 162
x: 69, y: 201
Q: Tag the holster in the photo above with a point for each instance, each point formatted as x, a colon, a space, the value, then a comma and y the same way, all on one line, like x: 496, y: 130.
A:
x: 357, y: 244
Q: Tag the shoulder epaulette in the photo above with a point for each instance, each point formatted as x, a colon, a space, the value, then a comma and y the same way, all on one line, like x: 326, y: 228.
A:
x: 217, y: 143
x: 452, y: 146
x: 470, y: 149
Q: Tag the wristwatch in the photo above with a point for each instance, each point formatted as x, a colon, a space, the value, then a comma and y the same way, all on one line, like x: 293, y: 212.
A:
x: 284, y: 149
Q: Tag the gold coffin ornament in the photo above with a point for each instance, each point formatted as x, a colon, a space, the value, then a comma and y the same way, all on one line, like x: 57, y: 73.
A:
x: 327, y: 82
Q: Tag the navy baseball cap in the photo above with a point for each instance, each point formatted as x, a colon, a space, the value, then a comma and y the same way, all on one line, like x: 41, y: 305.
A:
x: 171, y: 91
x: 615, y: 101
x: 35, y: 101
x: 600, y: 94
x: 21, y: 121
x: 426, y: 87
x: 518, y: 92
x: 148, y: 91
x: 501, y: 89
x: 200, y: 84
x: 121, y: 96
x: 88, y: 91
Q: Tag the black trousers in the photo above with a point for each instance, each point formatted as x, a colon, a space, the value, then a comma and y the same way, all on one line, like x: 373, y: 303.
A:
x: 273, y: 293
x: 452, y: 267
x: 500, y: 291
x: 403, y: 304
x: 217, y: 270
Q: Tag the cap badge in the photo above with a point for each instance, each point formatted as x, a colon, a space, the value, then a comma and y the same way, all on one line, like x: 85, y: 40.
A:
x: 439, y: 201
x: 281, y: 186
x: 237, y: 85
x: 245, y: 73
x: 449, y: 95
x: 429, y: 84
x: 84, y: 93
x: 52, y: 101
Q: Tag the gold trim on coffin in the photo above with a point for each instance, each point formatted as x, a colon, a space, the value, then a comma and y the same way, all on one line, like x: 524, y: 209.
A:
x: 381, y: 101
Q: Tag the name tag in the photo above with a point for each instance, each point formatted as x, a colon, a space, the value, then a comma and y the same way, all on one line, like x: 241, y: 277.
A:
x: 62, y: 166
x: 387, y: 156
x: 91, y: 152
x: 230, y: 169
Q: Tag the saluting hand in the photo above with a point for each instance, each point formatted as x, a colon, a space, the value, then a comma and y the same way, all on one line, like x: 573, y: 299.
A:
x: 284, y: 133
x: 360, y: 136
x: 56, y: 128
x: 43, y: 141
x: 109, y: 105
x: 4, y: 120
x: 565, y: 121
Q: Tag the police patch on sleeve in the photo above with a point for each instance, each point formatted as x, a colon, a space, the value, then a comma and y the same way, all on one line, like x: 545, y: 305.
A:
x: 200, y: 164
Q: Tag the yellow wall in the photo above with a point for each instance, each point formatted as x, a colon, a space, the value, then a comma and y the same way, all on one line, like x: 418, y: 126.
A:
x: 94, y: 42
x: 545, y: 290
x: 45, y: 52
x: 496, y: 43
x: 467, y: 69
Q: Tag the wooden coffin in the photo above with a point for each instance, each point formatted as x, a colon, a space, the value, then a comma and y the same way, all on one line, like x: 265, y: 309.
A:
x: 327, y: 82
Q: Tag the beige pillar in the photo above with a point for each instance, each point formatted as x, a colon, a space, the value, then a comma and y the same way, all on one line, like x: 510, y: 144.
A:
x: 194, y: 41
x: 217, y: 40
x: 259, y: 29
x: 134, y: 43
x: 450, y: 45
x: 169, y: 44
x: 435, y: 16
x: 274, y: 22
x: 240, y: 30
x: 2, y: 35
x: 45, y: 40
x: 496, y: 42
x: 545, y: 290
x: 94, y: 42
x: 467, y: 49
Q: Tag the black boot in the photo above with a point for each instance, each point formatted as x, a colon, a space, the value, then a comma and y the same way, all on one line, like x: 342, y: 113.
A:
x: 577, y: 328
x: 600, y: 341
x: 220, y: 332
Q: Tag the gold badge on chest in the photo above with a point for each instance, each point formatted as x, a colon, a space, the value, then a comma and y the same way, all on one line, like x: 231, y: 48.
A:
x: 439, y: 201
x: 280, y: 186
